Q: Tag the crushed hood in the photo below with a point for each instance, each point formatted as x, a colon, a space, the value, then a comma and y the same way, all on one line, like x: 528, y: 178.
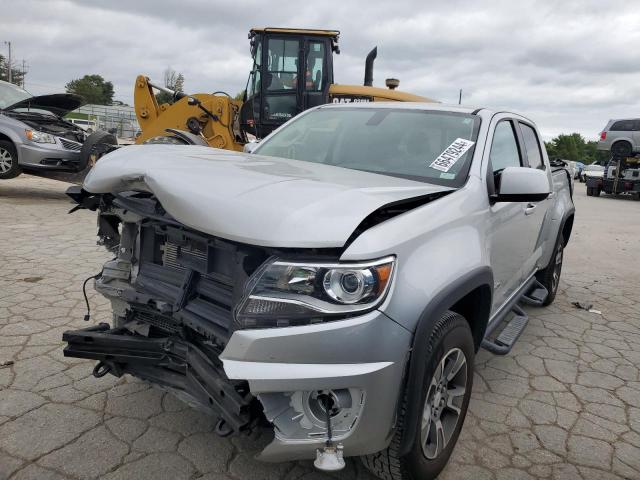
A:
x: 58, y: 103
x: 253, y: 199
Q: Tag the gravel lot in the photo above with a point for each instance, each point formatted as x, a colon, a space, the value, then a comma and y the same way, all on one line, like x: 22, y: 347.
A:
x: 564, y: 404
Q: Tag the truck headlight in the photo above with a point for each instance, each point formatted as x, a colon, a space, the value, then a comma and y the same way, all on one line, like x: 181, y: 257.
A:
x: 39, y: 137
x: 283, y: 293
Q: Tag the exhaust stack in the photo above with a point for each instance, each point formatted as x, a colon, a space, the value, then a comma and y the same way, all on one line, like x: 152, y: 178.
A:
x: 368, y: 67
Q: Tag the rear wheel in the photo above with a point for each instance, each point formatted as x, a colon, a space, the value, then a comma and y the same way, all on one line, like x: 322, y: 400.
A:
x: 9, y: 167
x: 446, y: 390
x: 550, y: 276
x: 621, y: 149
x: 589, y: 191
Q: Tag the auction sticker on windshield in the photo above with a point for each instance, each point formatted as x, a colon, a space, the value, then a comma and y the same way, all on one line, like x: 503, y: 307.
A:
x: 451, y: 154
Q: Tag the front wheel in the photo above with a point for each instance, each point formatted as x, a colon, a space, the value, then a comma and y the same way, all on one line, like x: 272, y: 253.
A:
x: 446, y: 390
x: 550, y: 276
x: 9, y: 167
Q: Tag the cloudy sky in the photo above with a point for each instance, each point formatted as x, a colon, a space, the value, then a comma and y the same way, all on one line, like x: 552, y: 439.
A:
x: 568, y: 65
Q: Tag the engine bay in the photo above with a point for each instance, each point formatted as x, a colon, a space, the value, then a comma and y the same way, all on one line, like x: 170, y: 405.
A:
x: 50, y: 124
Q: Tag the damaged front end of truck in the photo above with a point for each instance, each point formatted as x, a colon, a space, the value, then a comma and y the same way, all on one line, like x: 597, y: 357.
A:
x: 204, y: 316
x: 178, y: 296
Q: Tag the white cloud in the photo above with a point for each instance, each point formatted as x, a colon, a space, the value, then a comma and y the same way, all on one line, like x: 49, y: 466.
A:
x: 570, y: 66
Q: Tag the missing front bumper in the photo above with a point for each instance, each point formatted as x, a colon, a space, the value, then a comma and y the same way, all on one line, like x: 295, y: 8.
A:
x: 190, y: 369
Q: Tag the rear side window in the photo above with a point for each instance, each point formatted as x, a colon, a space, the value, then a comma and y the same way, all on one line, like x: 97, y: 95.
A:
x: 623, y: 126
x: 504, y: 149
x: 532, y: 145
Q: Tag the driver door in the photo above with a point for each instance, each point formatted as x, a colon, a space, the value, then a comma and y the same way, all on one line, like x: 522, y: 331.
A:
x: 508, y: 230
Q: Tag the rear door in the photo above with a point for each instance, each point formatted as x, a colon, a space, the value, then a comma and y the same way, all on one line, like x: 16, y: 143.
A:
x: 509, y: 226
x: 535, y: 212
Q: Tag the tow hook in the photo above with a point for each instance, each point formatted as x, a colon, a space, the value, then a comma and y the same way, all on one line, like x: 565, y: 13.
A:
x: 222, y: 429
x: 329, y: 458
x: 101, y: 369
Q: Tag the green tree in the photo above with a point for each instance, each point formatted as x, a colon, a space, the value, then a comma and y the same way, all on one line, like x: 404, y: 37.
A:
x: 574, y: 147
x: 173, y: 81
x: 179, y: 84
x: 93, y: 89
x: 17, y: 76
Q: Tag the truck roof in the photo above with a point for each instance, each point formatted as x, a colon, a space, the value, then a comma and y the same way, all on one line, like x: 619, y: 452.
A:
x: 442, y: 107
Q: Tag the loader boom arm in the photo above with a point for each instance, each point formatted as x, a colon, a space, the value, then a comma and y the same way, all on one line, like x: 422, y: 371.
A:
x: 220, y: 132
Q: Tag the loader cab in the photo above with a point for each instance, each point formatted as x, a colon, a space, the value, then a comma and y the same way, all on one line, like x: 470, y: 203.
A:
x: 292, y: 71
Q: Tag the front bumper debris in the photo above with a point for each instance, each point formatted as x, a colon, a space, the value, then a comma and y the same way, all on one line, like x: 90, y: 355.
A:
x: 190, y: 370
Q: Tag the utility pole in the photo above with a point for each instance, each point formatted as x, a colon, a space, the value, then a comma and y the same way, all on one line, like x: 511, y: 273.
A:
x: 460, y: 97
x: 24, y: 71
x: 9, y: 62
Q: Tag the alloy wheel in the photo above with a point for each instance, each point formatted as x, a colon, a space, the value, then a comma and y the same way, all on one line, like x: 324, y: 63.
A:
x: 557, y: 268
x: 6, y: 160
x: 443, y: 404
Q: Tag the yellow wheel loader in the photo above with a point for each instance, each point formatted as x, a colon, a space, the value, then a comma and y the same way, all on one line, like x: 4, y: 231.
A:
x: 292, y: 71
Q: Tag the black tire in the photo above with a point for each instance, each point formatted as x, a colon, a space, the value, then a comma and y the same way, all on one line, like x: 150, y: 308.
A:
x: 450, y: 338
x: 589, y: 191
x: 622, y: 148
x: 596, y: 191
x: 550, y: 276
x: 9, y: 167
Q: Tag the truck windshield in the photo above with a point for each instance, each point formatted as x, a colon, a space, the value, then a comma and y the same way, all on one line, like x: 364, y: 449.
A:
x: 424, y: 145
x: 10, y: 94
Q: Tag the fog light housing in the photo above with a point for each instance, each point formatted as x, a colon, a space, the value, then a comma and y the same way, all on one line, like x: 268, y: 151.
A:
x: 301, y: 415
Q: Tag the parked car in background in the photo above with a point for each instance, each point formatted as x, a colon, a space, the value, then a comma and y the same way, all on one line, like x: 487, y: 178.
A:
x: 337, y: 282
x: 33, y: 133
x: 593, y: 170
x: 88, y: 126
x: 621, y: 137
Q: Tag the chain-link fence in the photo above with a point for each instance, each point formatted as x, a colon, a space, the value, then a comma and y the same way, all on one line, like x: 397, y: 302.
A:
x: 120, y: 118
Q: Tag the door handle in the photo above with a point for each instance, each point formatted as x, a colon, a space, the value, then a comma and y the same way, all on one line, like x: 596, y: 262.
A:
x: 530, y: 208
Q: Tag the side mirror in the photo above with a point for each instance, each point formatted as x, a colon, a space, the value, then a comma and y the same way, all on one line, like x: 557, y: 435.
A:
x: 251, y: 146
x: 522, y: 184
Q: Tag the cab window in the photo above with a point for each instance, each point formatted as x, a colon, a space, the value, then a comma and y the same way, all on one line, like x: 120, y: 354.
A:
x: 315, y: 65
x: 532, y: 145
x: 254, y: 80
x: 504, y: 148
x: 282, y: 64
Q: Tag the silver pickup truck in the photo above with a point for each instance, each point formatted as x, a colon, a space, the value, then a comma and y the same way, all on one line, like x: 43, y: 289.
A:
x: 337, y: 281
